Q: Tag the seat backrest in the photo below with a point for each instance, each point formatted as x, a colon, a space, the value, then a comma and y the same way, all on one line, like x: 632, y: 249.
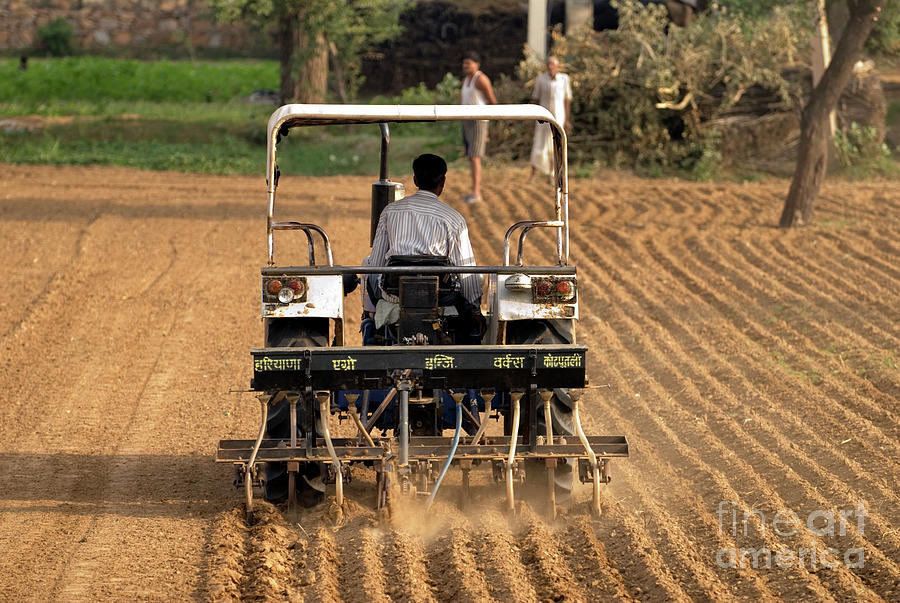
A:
x: 447, y: 283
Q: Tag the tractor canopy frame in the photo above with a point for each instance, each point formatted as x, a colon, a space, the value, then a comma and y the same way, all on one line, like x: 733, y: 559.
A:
x: 297, y: 115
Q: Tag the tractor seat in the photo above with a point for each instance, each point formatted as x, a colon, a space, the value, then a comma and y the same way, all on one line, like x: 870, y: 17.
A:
x: 448, y: 284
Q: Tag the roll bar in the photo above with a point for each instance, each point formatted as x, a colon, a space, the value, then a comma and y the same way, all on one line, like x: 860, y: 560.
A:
x: 296, y: 115
x: 526, y: 226
x: 308, y: 229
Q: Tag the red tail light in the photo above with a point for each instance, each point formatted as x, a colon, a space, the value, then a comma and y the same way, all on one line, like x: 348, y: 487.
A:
x: 284, y: 289
x: 553, y: 290
x: 273, y: 287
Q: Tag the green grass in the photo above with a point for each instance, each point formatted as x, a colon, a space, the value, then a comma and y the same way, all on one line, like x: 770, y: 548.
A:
x: 218, y: 147
x: 190, y: 117
x: 893, y: 112
x: 226, y: 156
x: 101, y: 80
x: 187, y: 112
x: 193, y: 117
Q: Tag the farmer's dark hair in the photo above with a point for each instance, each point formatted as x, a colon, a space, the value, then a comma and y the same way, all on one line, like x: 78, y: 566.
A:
x: 472, y: 56
x: 428, y: 170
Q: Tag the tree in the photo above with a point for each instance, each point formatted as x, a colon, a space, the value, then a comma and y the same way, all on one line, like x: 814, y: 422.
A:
x: 309, y: 31
x: 812, y: 156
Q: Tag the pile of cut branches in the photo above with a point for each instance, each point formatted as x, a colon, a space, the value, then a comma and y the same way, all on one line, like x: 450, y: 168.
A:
x: 645, y: 92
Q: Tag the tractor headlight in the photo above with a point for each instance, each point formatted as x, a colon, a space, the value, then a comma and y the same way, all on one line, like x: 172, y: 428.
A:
x: 286, y: 295
x: 518, y: 282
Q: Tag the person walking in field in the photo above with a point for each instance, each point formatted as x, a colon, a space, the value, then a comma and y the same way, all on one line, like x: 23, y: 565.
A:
x: 553, y: 91
x: 476, y: 90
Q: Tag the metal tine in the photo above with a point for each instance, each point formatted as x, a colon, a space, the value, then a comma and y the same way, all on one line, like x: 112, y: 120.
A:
x: 550, y: 463
x: 422, y: 486
x: 361, y: 430
x: 248, y: 475
x: 466, y: 467
x: 383, y: 478
x: 364, y: 411
x: 384, y: 404
x: 510, y: 493
x: 488, y: 398
x: 402, y: 431
x: 473, y: 403
x: 292, y: 475
x: 324, y: 399
x: 548, y: 416
x: 595, y: 465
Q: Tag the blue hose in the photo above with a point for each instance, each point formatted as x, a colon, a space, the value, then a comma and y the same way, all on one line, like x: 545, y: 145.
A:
x: 453, y: 445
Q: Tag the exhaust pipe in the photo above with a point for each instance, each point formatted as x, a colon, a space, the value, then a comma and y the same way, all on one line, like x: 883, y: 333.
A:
x: 384, y: 191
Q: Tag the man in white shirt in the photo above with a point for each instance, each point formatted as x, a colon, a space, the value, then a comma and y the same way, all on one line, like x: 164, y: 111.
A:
x: 552, y: 91
x: 422, y: 224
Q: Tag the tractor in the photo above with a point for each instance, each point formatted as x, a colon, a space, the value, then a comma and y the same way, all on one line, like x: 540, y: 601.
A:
x: 527, y: 370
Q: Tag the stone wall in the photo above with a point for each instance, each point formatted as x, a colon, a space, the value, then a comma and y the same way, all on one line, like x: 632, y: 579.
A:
x: 127, y: 26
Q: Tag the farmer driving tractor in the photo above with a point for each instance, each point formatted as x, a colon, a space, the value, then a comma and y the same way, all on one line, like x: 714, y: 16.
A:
x: 422, y: 230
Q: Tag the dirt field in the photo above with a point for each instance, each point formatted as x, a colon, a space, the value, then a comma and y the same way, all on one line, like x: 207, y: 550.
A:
x: 753, y: 370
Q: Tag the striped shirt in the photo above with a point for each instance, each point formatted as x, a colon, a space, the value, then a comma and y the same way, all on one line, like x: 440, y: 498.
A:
x: 421, y: 224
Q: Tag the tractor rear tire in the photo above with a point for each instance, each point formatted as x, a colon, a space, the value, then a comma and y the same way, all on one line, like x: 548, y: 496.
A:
x: 549, y: 332
x: 293, y: 333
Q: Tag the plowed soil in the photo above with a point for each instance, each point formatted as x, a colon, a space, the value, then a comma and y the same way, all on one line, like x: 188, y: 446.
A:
x: 754, y: 371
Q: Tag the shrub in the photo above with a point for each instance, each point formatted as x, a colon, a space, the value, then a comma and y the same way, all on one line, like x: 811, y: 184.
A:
x: 860, y: 151
x: 643, y: 93
x: 885, y: 38
x: 56, y: 37
x: 444, y: 93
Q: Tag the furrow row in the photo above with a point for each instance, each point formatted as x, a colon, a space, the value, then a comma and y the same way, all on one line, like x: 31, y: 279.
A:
x: 362, y: 576
x: 801, y: 338
x: 848, y: 299
x: 811, y: 465
x: 541, y: 556
x: 404, y: 562
x: 681, y: 426
x: 665, y: 534
x: 588, y: 559
x: 226, y: 549
x: 880, y: 253
x: 848, y: 200
x: 716, y: 433
x: 859, y: 254
x: 642, y: 563
x: 456, y: 571
x: 268, y: 562
x: 693, y: 274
